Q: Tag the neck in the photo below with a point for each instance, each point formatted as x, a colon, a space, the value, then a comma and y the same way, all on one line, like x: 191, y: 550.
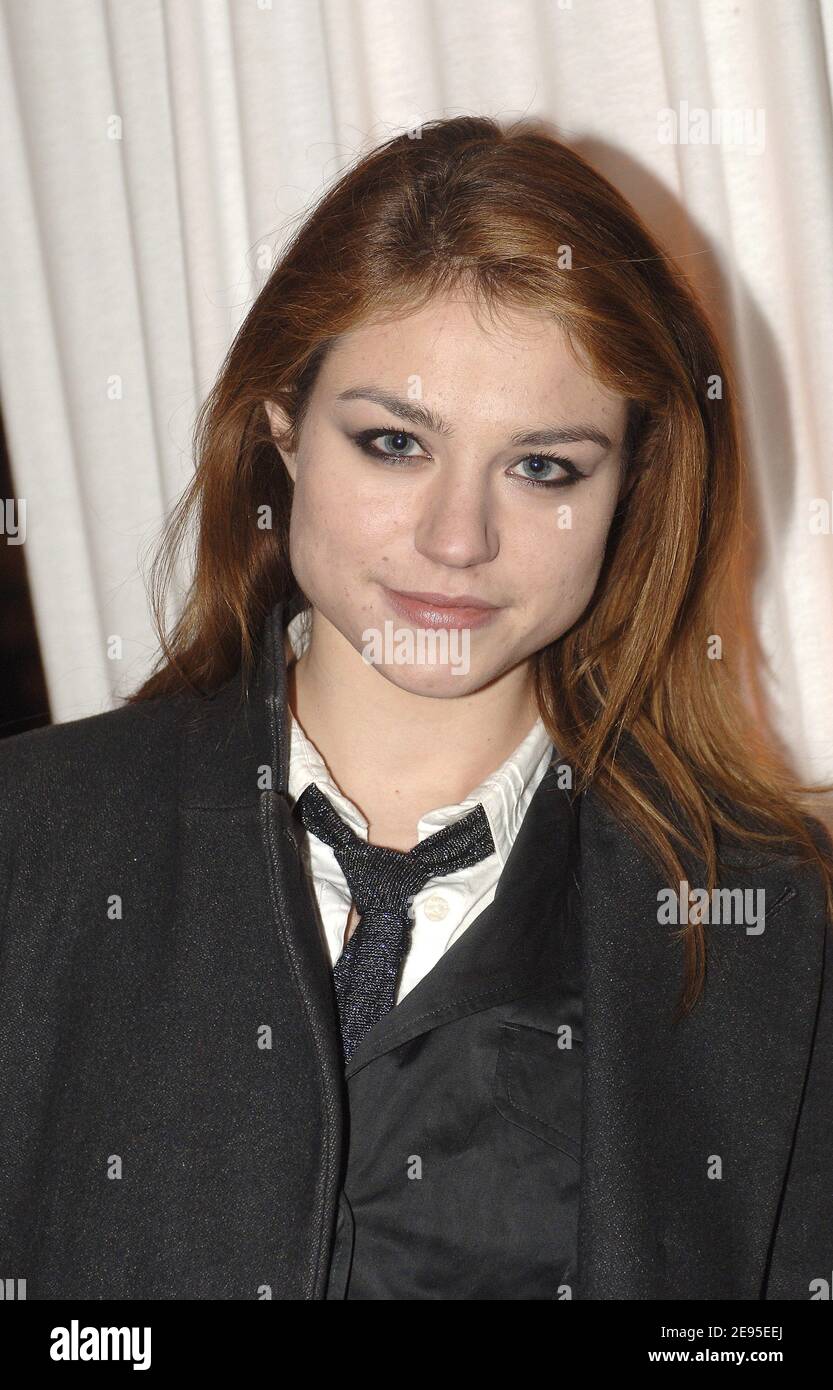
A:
x: 395, y: 754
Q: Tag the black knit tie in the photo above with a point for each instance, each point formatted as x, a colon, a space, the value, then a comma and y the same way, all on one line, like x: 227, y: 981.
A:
x: 383, y: 883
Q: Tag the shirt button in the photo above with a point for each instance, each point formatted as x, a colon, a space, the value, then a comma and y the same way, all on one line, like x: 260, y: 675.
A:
x: 435, y: 907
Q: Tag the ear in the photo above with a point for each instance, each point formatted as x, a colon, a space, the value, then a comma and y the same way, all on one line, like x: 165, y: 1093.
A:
x: 279, y: 426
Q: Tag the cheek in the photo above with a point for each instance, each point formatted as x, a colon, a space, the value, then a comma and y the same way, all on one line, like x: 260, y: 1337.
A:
x: 571, y: 537
x: 321, y: 530
x: 339, y: 520
x: 568, y: 560
x: 587, y: 551
x: 307, y: 534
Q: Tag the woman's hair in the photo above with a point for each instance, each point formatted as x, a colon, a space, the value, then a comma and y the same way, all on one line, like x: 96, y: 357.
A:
x: 635, y: 696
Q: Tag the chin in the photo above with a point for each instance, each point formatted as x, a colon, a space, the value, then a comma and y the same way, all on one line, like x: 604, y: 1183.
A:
x: 434, y: 682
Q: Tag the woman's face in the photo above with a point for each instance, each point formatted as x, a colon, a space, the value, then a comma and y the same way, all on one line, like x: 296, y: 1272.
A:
x: 500, y: 482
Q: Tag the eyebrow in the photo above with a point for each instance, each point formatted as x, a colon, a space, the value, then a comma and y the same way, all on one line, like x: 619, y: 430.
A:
x: 428, y: 419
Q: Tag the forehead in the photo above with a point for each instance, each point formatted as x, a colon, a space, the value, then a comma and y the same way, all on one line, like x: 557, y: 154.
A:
x: 471, y: 364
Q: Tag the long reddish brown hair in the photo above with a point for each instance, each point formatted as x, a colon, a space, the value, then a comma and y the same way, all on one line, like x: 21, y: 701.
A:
x: 630, y: 695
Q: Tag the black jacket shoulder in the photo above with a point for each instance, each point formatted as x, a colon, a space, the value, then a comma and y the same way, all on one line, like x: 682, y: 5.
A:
x: 73, y: 789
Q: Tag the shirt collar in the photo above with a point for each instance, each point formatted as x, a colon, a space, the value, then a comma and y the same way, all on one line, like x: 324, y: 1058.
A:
x: 505, y: 794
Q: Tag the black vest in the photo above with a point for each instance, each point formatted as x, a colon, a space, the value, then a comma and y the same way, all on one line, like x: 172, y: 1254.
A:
x: 464, y: 1102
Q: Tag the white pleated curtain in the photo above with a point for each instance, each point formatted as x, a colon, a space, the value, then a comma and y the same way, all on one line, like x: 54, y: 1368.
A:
x: 156, y: 152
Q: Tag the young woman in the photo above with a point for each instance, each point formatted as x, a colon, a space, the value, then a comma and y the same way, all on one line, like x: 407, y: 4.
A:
x: 433, y: 923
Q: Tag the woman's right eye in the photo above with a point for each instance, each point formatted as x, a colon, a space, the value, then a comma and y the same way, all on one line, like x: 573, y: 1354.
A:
x: 394, y: 443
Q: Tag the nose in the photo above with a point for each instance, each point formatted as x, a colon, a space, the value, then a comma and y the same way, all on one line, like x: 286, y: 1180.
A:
x: 456, y: 525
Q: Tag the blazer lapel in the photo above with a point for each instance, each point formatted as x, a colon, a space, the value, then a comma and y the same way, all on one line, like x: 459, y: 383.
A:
x: 235, y: 814
x: 687, y: 1128
x: 235, y: 765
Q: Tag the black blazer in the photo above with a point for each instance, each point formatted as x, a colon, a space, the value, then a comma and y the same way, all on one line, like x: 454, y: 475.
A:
x: 171, y: 1090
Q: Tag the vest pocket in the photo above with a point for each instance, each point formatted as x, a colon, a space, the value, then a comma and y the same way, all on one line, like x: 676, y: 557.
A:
x: 537, y: 1085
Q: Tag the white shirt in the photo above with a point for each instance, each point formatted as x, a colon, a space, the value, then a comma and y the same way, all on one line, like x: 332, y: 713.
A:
x: 446, y: 905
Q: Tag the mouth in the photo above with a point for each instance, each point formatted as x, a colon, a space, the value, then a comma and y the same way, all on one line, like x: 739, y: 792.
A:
x: 441, y: 610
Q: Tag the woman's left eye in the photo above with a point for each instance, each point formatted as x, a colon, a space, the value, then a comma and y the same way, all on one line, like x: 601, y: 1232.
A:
x: 544, y: 474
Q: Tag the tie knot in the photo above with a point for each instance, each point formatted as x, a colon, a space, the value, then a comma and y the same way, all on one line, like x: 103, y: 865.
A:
x: 389, y: 879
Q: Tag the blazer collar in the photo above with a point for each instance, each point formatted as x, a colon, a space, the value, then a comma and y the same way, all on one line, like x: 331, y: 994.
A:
x: 237, y: 739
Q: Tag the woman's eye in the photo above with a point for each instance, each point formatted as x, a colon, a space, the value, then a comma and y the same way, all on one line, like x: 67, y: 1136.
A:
x: 393, y: 443
x: 545, y: 470
x: 396, y: 443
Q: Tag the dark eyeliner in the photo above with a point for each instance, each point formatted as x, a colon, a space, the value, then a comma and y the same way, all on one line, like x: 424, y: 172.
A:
x: 364, y: 438
x: 575, y: 475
